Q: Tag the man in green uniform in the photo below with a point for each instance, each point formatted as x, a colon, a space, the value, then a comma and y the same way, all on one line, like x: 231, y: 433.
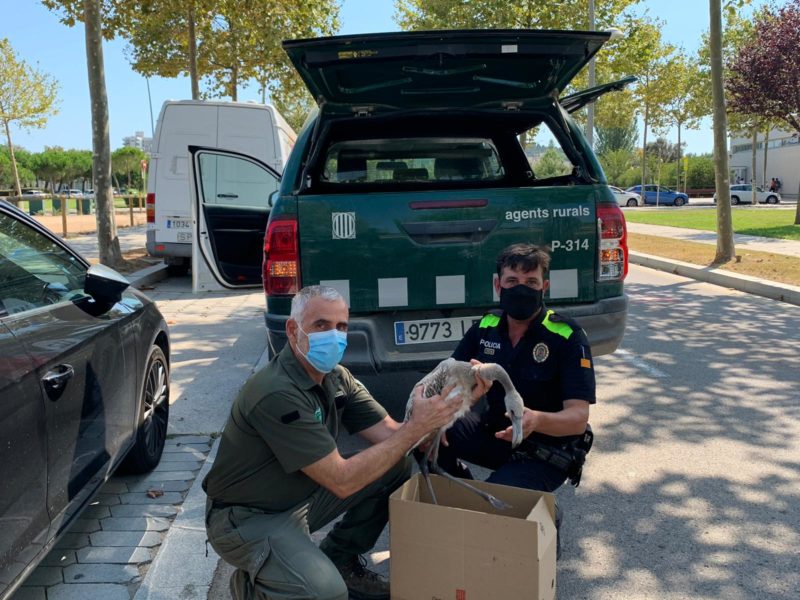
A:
x: 279, y: 476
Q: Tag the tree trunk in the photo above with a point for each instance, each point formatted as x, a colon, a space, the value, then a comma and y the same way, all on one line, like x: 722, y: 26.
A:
x: 107, y: 239
x: 193, y: 53
x: 753, y: 180
x: 234, y: 82
x: 797, y: 212
x: 13, y: 159
x: 678, y: 169
x: 766, y: 143
x: 644, y: 149
x: 725, y: 247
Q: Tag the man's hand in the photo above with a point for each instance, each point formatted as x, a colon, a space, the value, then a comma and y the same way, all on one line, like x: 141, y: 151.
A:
x: 481, y: 385
x: 529, y: 422
x: 429, y: 414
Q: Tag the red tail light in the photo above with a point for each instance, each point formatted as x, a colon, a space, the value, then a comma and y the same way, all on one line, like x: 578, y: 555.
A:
x: 613, y: 246
x: 281, y: 266
x: 150, y: 205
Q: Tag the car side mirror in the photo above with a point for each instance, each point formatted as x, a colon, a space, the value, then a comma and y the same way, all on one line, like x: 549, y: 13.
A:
x: 105, y: 285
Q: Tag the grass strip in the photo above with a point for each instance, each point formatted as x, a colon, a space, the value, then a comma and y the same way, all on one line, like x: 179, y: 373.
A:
x: 764, y: 265
x: 746, y: 221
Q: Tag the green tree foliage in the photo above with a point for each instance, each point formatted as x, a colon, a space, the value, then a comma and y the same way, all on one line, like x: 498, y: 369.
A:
x: 27, y: 98
x: 126, y: 164
x: 26, y: 176
x: 616, y: 163
x: 663, y: 150
x: 700, y: 172
x: 551, y: 163
x: 528, y: 14
x: 611, y: 139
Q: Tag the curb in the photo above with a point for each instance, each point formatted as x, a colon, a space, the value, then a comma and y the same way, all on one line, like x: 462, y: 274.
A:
x: 184, y: 565
x: 148, y: 275
x: 751, y: 285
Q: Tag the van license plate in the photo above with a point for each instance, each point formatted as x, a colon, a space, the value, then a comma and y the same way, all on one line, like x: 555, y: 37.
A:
x: 179, y: 223
x: 432, y: 330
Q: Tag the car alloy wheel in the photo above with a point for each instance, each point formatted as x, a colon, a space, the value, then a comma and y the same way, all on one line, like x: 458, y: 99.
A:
x: 151, y: 433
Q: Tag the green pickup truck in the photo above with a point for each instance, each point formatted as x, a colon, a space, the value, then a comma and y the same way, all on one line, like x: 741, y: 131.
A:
x: 408, y: 181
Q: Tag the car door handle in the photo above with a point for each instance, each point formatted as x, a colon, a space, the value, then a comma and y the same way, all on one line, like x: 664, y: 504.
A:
x: 227, y: 195
x: 56, y: 380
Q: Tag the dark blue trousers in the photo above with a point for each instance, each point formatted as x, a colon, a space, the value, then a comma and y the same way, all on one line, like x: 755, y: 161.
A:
x: 472, y: 439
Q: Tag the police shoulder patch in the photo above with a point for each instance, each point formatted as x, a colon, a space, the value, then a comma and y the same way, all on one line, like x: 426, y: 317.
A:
x: 540, y: 352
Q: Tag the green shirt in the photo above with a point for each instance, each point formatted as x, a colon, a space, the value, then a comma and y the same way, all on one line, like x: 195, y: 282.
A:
x: 281, y: 422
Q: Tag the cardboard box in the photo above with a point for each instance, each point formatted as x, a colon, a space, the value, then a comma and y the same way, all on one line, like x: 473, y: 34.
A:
x: 463, y: 549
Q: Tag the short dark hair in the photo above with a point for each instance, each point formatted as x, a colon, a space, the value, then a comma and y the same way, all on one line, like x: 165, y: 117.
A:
x: 527, y: 257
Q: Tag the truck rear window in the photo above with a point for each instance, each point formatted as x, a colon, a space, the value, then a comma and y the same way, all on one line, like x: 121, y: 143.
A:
x: 411, y: 160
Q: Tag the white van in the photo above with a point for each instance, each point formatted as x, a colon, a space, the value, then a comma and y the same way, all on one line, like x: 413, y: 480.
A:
x: 255, y: 129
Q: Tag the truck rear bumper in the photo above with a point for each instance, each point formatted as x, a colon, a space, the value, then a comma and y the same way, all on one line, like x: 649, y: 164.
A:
x: 371, y: 350
x: 166, y: 249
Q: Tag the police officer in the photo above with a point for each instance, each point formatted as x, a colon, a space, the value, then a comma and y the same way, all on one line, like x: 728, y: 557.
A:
x: 549, y: 361
x: 279, y: 476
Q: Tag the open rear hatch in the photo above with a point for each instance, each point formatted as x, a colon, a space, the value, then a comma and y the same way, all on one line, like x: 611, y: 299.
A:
x: 496, y: 68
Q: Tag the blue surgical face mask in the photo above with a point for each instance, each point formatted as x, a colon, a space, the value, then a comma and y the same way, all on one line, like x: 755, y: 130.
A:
x: 325, y: 348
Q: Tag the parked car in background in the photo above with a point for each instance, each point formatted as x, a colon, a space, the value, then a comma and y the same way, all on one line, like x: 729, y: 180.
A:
x: 626, y: 198
x: 84, y: 387
x: 89, y: 194
x: 34, y: 192
x: 73, y: 193
x: 742, y: 193
x: 659, y: 194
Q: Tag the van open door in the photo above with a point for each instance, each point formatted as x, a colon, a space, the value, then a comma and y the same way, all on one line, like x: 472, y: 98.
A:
x: 230, y: 206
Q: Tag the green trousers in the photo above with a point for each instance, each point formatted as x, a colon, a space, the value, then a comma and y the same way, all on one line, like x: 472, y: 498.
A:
x: 274, y: 554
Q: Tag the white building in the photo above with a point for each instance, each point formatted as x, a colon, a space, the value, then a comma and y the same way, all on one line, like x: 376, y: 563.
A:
x: 783, y: 160
x: 138, y: 141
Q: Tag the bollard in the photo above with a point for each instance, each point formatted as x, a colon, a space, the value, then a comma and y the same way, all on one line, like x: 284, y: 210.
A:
x: 64, y: 217
x: 130, y: 208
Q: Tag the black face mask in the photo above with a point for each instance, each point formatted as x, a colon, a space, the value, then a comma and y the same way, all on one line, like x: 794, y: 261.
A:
x: 520, y: 302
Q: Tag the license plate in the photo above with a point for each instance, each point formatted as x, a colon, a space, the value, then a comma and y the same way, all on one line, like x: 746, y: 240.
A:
x: 432, y: 330
x: 179, y: 223
x: 184, y: 236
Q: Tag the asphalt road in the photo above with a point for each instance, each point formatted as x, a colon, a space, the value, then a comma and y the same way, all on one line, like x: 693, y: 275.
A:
x: 692, y: 487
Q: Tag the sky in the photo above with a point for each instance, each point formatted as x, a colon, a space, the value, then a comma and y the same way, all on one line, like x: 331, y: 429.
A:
x: 37, y: 36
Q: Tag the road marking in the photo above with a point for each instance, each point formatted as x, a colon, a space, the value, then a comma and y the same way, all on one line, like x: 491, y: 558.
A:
x: 640, y: 364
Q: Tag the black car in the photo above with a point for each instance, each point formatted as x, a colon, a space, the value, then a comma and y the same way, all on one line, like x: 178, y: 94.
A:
x: 84, y: 387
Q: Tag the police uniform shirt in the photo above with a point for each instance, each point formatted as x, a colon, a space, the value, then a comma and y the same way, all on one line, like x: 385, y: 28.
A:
x: 551, y: 363
x: 281, y: 422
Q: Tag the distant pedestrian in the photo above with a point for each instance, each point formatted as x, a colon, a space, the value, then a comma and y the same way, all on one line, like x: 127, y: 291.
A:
x: 778, y: 184
x: 773, y: 186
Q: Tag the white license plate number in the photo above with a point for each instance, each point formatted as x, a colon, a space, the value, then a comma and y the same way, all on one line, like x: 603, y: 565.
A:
x: 179, y: 223
x: 429, y: 331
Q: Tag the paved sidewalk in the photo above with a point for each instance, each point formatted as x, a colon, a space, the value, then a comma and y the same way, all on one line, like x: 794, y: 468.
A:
x: 106, y: 553
x: 751, y: 242
x: 130, y: 238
